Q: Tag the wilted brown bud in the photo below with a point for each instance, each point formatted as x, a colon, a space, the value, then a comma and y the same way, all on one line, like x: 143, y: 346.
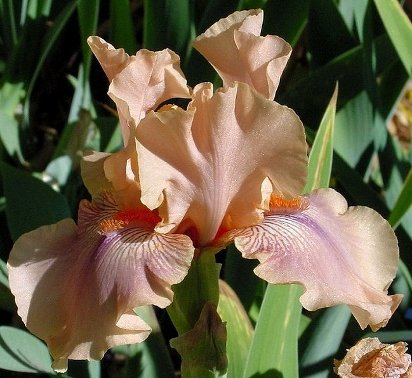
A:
x: 369, y: 358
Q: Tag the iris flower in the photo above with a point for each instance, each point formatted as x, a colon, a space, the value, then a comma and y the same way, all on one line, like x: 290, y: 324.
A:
x: 230, y: 167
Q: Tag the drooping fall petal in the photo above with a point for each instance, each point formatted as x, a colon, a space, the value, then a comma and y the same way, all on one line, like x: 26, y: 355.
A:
x: 236, y: 50
x: 340, y: 254
x: 207, y: 164
x: 76, y: 286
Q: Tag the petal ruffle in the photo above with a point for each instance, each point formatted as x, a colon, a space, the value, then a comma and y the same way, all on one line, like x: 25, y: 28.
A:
x: 116, y: 173
x: 340, y: 255
x: 112, y: 60
x: 235, y: 49
x: 140, y: 82
x: 148, y: 80
x: 92, y: 170
x: 76, y: 286
x: 216, y: 157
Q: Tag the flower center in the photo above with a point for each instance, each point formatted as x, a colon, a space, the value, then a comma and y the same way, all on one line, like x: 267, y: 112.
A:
x: 282, y: 205
x: 140, y: 217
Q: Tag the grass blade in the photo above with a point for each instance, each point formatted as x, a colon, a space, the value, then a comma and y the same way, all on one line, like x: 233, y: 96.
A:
x: 399, y: 28
x: 121, y: 26
x: 320, y: 159
x: 403, y: 203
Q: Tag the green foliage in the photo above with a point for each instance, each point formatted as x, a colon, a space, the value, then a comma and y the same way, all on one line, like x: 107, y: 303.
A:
x: 239, y: 329
x: 53, y: 106
x: 22, y: 352
x: 399, y: 28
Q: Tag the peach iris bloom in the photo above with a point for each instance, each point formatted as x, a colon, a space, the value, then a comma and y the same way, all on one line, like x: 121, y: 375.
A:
x: 230, y: 167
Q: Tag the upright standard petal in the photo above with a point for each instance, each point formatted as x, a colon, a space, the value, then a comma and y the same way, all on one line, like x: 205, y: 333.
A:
x: 340, y: 254
x: 148, y: 80
x: 76, y: 286
x: 116, y: 173
x: 112, y: 60
x: 139, y: 82
x: 206, y: 165
x: 235, y: 49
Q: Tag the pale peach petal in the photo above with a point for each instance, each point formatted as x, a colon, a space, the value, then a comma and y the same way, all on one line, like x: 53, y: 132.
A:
x: 207, y: 164
x: 76, y: 286
x: 116, y: 173
x: 122, y: 171
x: 237, y: 52
x: 92, y: 169
x: 139, y: 82
x: 148, y: 80
x: 112, y: 60
x: 370, y: 358
x: 340, y: 255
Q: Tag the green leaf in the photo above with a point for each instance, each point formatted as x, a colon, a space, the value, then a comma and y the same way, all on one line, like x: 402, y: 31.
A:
x: 6, y: 298
x: 324, y: 45
x: 48, y: 41
x: 321, y: 340
x: 394, y: 167
x: 353, y: 13
x: 277, y: 20
x: 167, y: 24
x: 345, y: 69
x: 354, y: 128
x: 8, y: 25
x: 88, y: 11
x: 10, y: 97
x: 320, y: 159
x: 3, y: 274
x: 239, y: 329
x: 203, y: 348
x: 403, y: 202
x: 121, y: 26
x: 399, y: 28
x: 30, y: 202
x: 274, y: 348
x: 9, y: 134
x: 22, y: 352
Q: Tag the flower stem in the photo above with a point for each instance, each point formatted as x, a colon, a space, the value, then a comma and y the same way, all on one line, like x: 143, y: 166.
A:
x: 200, y: 286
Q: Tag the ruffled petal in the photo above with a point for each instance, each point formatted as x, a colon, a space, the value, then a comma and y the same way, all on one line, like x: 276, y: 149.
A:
x: 370, y: 358
x: 208, y: 163
x: 117, y: 173
x: 139, y: 82
x: 92, y: 169
x: 112, y: 60
x: 76, y: 286
x: 237, y: 52
x: 340, y: 255
x: 148, y: 80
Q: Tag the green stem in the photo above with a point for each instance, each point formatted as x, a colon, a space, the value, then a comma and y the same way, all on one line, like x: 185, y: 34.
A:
x: 201, y: 285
